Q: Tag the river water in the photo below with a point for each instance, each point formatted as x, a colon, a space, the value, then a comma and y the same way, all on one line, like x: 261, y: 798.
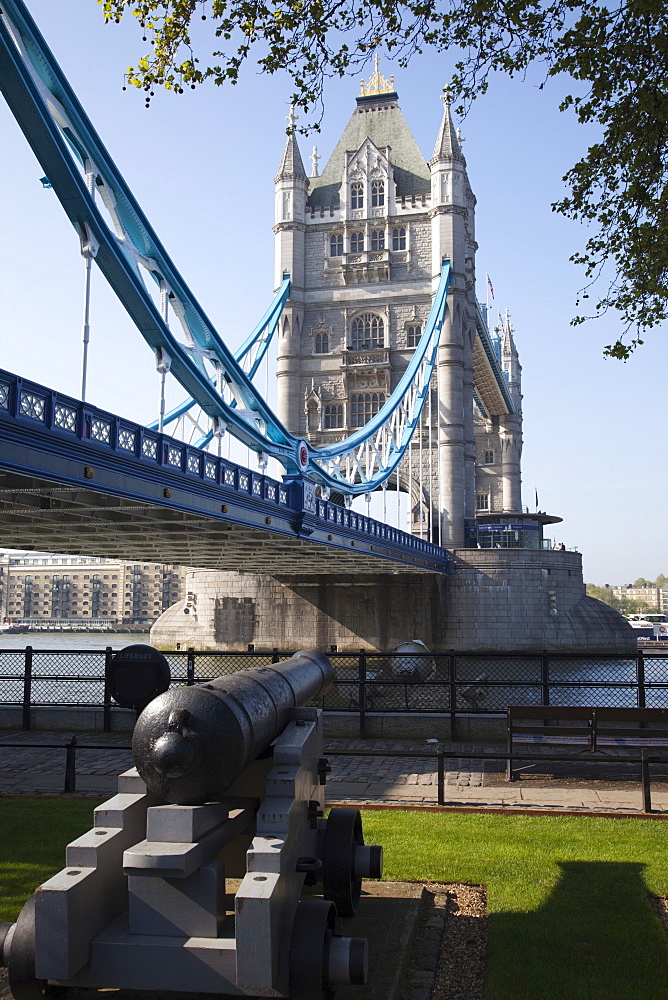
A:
x: 72, y: 640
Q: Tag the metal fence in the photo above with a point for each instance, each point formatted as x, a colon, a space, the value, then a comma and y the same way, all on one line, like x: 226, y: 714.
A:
x: 455, y: 683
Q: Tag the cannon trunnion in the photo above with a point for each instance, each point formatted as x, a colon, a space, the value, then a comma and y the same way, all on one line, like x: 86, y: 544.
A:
x: 192, y: 876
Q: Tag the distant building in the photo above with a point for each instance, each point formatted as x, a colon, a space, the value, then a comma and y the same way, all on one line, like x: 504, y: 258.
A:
x: 651, y: 597
x: 57, y: 589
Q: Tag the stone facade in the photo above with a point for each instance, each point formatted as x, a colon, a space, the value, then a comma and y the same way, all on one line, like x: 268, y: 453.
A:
x: 523, y: 599
x: 364, y: 244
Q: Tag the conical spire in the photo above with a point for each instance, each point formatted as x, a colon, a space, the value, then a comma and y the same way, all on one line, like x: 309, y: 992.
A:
x: 291, y: 164
x: 508, y: 341
x: 447, y: 145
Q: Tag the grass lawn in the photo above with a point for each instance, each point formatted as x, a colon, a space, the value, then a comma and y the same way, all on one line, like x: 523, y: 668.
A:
x: 33, y: 836
x: 567, y: 901
x: 567, y: 896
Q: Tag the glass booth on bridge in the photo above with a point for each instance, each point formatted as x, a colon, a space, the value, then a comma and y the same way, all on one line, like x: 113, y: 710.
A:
x: 514, y: 531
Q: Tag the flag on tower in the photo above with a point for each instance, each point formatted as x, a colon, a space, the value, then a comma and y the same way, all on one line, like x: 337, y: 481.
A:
x: 491, y: 287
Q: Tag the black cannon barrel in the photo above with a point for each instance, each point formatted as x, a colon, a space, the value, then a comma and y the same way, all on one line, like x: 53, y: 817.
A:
x: 190, y: 743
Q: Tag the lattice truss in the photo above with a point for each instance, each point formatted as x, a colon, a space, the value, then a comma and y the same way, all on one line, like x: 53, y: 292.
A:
x: 113, y: 229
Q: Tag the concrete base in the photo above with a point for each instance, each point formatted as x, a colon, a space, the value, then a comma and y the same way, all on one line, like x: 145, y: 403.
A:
x: 68, y: 718
x: 494, y: 600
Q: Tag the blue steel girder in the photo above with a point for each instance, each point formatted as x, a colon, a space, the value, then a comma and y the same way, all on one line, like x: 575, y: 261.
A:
x: 76, y: 478
x: 249, y: 356
x: 501, y: 400
x: 23, y: 88
x: 56, y: 126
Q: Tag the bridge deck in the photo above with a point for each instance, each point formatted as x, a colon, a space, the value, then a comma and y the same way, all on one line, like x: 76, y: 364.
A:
x: 79, y: 480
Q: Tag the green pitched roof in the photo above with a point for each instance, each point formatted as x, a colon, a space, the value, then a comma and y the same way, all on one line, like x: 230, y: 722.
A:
x: 381, y: 120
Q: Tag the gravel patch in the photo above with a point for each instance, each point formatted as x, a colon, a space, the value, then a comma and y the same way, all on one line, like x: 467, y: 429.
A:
x: 461, y: 969
x: 450, y: 948
x: 660, y: 906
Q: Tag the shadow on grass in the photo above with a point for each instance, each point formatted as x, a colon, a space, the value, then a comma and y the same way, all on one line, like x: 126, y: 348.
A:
x: 595, y: 938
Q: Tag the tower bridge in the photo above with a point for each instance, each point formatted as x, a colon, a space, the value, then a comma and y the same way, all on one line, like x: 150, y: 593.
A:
x: 389, y: 378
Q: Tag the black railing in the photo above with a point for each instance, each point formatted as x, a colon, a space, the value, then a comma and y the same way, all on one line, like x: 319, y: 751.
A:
x: 440, y: 755
x: 367, y: 683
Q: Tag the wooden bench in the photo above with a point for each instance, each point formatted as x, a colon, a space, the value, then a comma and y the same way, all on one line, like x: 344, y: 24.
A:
x: 587, y: 729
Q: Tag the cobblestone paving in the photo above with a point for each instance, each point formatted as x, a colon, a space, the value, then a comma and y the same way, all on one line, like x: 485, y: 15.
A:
x: 411, y: 779
x: 37, y: 764
x: 33, y: 769
x: 459, y: 771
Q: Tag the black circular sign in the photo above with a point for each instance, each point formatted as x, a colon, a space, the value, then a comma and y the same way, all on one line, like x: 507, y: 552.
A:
x: 137, y: 675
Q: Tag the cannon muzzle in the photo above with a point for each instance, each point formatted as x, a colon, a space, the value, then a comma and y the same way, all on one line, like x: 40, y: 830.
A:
x: 191, y: 743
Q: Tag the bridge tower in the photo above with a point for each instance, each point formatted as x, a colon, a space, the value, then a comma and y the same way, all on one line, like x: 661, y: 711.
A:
x: 364, y: 242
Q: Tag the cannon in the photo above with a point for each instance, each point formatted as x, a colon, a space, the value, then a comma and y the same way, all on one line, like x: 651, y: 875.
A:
x: 192, y: 878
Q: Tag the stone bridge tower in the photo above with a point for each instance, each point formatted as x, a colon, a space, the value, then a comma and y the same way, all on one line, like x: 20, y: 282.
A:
x: 364, y: 243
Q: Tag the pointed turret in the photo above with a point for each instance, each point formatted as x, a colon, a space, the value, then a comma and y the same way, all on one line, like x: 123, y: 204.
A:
x: 291, y: 165
x: 448, y: 145
x: 450, y: 189
x: 510, y: 425
x: 291, y: 186
x: 511, y: 361
x: 291, y: 190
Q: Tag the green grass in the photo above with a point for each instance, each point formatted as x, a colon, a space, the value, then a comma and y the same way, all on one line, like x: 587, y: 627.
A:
x: 567, y: 897
x: 569, y: 917
x: 33, y: 836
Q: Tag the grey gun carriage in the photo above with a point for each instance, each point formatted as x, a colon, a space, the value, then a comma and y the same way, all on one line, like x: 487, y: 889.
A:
x: 228, y: 790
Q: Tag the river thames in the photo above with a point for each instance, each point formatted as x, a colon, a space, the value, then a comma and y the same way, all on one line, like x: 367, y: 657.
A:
x: 72, y: 640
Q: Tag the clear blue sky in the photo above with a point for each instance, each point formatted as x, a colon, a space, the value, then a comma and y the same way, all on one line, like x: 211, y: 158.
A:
x: 202, y: 167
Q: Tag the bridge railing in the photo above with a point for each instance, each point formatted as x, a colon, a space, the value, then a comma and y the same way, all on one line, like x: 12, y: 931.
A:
x: 366, y: 683
x: 31, y: 407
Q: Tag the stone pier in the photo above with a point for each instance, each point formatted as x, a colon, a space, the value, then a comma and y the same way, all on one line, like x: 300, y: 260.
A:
x: 509, y: 599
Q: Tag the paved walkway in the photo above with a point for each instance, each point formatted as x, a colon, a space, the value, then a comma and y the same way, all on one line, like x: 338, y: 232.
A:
x: 613, y: 786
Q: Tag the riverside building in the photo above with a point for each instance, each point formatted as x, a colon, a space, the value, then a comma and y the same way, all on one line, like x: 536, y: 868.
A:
x: 41, y: 588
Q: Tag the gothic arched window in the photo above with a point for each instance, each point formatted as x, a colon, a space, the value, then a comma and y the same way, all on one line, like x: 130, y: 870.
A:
x: 399, y: 239
x: 356, y: 195
x: 356, y: 242
x: 367, y: 332
x: 377, y: 194
x: 333, y: 416
x: 321, y: 342
x: 364, y: 406
x: 378, y: 239
x: 413, y: 334
x: 336, y: 245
